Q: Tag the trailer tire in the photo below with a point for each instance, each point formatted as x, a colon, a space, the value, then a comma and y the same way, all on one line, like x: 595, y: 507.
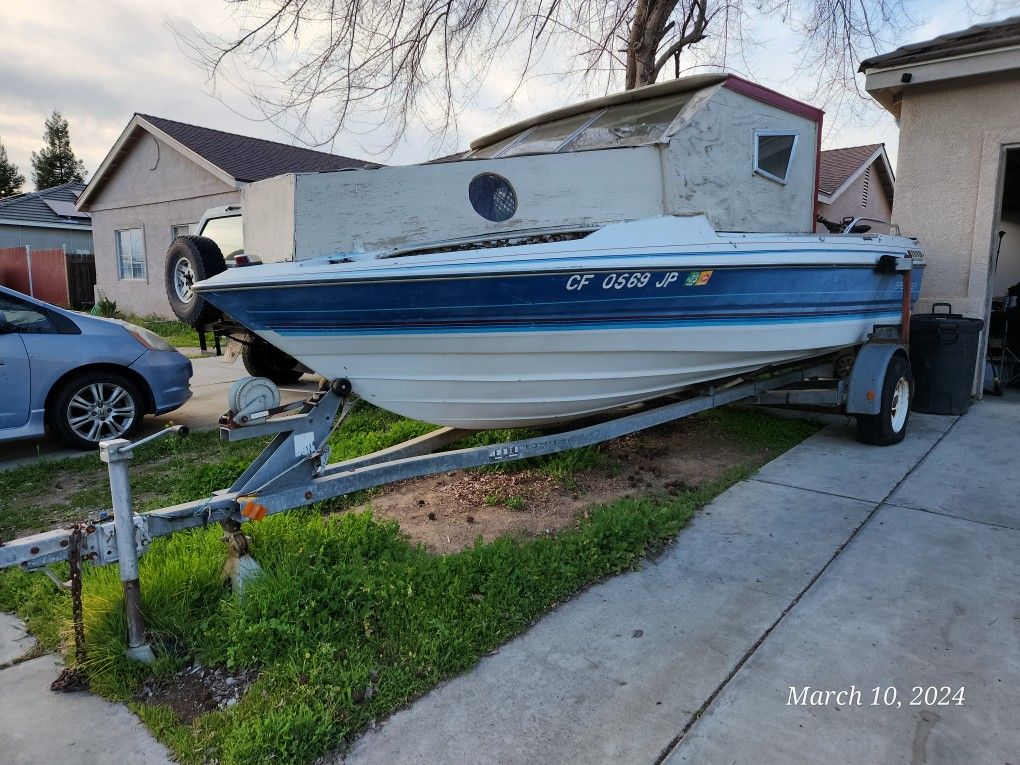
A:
x: 191, y: 259
x: 264, y: 360
x: 889, y: 426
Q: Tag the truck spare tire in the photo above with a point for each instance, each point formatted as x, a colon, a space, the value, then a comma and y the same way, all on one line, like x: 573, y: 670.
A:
x: 191, y: 259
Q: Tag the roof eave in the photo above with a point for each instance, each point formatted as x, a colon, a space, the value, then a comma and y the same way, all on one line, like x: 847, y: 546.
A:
x: 886, y: 83
x: 109, y: 162
x: 41, y: 224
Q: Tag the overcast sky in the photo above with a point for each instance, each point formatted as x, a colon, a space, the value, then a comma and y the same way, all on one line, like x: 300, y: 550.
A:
x: 98, y: 61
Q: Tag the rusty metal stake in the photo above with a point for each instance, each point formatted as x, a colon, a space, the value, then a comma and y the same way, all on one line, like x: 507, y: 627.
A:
x: 117, y: 454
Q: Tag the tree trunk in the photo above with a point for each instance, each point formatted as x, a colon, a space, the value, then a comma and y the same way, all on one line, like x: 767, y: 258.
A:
x: 647, y: 30
x: 642, y: 43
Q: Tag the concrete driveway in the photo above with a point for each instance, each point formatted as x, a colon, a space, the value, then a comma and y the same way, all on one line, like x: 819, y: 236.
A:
x: 210, y: 382
x: 838, y: 567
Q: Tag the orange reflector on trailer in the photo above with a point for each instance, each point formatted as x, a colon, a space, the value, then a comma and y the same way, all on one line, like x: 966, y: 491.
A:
x: 254, y: 511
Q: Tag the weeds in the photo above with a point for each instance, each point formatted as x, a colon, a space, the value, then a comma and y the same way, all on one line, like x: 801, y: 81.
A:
x: 105, y: 307
x: 177, y: 333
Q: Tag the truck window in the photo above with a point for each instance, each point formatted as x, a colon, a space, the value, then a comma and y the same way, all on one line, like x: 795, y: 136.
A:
x: 226, y: 232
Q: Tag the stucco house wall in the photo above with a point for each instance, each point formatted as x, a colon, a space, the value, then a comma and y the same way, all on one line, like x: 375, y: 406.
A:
x: 155, y: 188
x: 850, y: 202
x: 952, y: 135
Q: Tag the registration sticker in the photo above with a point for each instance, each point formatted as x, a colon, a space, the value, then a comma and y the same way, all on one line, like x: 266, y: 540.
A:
x: 697, y: 278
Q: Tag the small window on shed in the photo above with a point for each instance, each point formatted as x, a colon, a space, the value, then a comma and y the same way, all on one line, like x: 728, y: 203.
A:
x: 773, y: 153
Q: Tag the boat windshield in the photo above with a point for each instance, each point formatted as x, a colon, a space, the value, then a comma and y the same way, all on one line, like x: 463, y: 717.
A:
x: 493, y: 242
x: 631, y: 124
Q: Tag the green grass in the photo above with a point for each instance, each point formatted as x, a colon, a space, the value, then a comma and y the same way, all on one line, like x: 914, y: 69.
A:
x: 177, y: 333
x: 350, y: 620
x: 41, y: 494
x: 169, y: 471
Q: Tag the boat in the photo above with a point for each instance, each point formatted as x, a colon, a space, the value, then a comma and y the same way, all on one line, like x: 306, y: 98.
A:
x: 548, y: 332
x: 603, y: 254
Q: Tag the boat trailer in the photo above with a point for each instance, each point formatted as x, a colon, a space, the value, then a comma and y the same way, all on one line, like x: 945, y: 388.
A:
x: 294, y: 471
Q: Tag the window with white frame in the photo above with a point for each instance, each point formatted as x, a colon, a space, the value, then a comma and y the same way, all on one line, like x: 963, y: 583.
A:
x: 130, y: 254
x: 773, y: 153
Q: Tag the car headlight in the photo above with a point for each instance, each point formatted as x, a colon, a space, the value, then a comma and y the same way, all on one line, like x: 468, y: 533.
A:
x: 148, y: 338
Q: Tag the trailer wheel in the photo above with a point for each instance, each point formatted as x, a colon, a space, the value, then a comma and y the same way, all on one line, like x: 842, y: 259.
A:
x: 264, y: 360
x: 191, y: 259
x: 889, y: 426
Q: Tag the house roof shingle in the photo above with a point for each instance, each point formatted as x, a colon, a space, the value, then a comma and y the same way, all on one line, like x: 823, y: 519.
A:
x: 250, y: 159
x: 837, y: 165
x: 31, y: 206
x: 980, y: 37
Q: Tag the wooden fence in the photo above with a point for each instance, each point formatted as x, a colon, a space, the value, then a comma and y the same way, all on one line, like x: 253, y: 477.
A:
x: 52, y: 275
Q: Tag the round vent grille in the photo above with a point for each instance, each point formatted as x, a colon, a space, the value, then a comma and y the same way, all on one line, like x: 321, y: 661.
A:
x: 492, y: 197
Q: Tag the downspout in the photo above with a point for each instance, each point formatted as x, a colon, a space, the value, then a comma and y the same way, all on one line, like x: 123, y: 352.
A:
x: 818, y: 172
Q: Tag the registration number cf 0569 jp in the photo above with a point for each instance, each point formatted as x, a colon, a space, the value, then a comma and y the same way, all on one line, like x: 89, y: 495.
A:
x: 637, y: 280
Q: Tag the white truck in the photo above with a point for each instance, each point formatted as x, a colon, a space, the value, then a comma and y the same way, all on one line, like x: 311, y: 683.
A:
x: 218, y: 245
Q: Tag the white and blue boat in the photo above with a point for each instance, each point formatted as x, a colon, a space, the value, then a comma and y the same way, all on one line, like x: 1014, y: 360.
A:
x: 572, y: 263
x: 550, y: 332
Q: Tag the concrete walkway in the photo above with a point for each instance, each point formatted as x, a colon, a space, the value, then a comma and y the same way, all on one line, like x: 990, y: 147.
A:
x: 837, y: 565
x: 38, y: 725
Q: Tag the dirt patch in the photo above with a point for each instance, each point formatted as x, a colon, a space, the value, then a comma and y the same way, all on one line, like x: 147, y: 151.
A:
x: 65, y: 485
x: 197, y: 690
x: 450, y: 511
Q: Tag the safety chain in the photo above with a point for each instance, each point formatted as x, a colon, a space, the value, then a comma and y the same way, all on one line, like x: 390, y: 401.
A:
x: 73, y: 678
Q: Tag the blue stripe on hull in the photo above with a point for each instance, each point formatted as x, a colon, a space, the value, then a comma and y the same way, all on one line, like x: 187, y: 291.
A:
x: 585, y: 299
x: 877, y: 316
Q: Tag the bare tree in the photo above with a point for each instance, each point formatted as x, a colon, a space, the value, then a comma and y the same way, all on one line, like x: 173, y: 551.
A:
x: 404, y: 61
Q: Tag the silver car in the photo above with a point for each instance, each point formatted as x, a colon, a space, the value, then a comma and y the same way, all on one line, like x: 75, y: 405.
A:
x: 85, y: 378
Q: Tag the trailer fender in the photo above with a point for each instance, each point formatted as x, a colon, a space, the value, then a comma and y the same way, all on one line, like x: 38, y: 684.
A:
x: 864, y: 392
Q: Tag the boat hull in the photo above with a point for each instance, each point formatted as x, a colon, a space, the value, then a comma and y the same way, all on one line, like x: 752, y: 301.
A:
x: 508, y: 379
x: 513, y: 348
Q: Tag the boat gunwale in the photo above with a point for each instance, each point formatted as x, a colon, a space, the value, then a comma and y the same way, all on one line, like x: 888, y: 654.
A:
x: 327, y: 279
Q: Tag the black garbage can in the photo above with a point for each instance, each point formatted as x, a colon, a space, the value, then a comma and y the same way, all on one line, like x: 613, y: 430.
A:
x: 943, y: 356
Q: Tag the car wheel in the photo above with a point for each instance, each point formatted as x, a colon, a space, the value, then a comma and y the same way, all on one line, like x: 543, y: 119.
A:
x: 95, y: 406
x: 191, y: 259
x: 889, y: 426
x: 264, y: 360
